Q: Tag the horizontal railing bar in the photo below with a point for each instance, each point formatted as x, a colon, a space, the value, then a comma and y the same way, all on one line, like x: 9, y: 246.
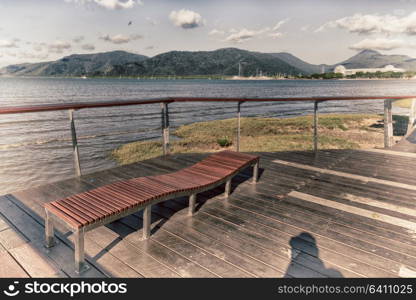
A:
x: 248, y: 99
x: 80, y: 105
x: 84, y: 105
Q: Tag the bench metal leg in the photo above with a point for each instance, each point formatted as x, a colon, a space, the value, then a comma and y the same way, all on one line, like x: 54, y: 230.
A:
x: 80, y: 265
x: 227, y: 188
x: 147, y: 216
x: 192, y: 202
x: 49, y: 231
x: 256, y: 172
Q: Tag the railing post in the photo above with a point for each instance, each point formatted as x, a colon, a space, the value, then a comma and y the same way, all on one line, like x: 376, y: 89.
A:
x: 315, y: 126
x: 238, y: 125
x: 165, y: 127
x: 388, y: 123
x: 77, y: 165
x: 412, y: 117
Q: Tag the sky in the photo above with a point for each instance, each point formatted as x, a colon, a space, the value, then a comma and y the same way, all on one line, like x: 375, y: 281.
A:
x: 317, y: 31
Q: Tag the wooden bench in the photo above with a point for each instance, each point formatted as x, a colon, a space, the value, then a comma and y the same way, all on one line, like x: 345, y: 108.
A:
x: 88, y: 210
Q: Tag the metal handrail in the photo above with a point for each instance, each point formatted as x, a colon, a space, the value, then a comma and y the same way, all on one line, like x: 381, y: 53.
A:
x: 71, y: 107
x: 99, y: 104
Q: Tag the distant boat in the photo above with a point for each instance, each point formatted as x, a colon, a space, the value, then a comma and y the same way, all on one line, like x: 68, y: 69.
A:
x: 251, y: 78
x: 84, y: 77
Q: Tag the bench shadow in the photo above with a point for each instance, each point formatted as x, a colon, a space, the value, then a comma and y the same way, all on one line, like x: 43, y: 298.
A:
x: 239, y: 179
x: 163, y: 211
x: 298, y: 256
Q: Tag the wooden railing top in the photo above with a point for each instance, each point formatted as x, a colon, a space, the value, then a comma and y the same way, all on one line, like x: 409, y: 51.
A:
x: 98, y: 104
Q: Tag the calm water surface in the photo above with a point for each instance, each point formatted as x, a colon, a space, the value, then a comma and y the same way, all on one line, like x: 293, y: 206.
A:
x: 35, y: 148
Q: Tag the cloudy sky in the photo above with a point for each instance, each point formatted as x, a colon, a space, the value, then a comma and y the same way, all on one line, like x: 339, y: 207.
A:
x: 318, y: 31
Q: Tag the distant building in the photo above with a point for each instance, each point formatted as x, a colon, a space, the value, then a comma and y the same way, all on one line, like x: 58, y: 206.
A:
x: 344, y: 71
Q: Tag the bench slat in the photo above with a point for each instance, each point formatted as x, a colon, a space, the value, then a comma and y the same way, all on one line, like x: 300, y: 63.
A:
x: 112, y: 199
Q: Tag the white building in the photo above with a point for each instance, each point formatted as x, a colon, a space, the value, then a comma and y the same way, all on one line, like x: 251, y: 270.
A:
x: 344, y: 71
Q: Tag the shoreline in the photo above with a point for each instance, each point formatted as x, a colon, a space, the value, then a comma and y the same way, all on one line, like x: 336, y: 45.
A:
x: 336, y: 131
x: 224, y: 78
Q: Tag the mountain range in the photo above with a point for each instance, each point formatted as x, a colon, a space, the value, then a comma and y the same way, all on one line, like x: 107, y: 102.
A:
x: 224, y: 61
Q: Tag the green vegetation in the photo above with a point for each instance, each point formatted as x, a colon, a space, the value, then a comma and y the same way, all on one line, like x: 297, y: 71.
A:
x: 330, y: 75
x: 224, y: 142
x: 380, y: 75
x: 404, y: 103
x: 336, y: 131
x: 217, y: 64
x: 360, y: 75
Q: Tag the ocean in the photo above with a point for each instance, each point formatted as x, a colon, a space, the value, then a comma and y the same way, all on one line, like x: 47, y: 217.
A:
x: 35, y: 148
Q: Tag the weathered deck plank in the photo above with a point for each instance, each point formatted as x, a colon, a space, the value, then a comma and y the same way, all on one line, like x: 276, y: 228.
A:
x: 260, y: 231
x: 10, y: 267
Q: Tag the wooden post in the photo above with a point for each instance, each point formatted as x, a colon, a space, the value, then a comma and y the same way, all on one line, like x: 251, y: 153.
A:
x: 49, y: 231
x: 388, y: 124
x: 165, y: 127
x: 412, y: 117
x: 192, y: 202
x: 80, y: 265
x: 147, y: 216
x: 227, y: 188
x: 77, y: 164
x: 315, y: 126
x: 255, y: 172
x: 238, y: 126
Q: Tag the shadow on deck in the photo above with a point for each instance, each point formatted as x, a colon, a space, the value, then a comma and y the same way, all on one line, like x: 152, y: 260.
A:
x: 341, y: 213
x: 407, y: 143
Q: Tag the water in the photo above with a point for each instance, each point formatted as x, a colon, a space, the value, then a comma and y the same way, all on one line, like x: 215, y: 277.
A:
x: 36, y: 148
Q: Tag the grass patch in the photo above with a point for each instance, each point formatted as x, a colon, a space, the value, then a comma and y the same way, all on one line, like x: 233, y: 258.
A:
x: 404, y: 103
x: 224, y: 142
x: 336, y: 131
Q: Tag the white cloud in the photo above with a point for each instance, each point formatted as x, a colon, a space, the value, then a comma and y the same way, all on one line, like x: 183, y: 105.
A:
x: 88, y: 47
x: 275, y: 35
x: 134, y: 37
x: 399, y: 12
x: 8, y: 43
x: 185, y: 18
x: 279, y: 24
x: 370, y: 24
x: 239, y: 36
x: 216, y: 32
x: 109, y: 4
x: 78, y: 39
x: 120, y: 38
x: 30, y: 55
x: 305, y: 28
x: 37, y: 47
x: 13, y: 54
x: 59, y: 46
x: 380, y: 44
x: 242, y: 36
x: 152, y: 21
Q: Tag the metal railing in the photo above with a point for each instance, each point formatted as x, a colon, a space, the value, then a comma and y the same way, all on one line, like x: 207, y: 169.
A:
x: 164, y: 104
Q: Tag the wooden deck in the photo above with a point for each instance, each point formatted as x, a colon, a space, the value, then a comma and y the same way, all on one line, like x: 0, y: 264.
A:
x: 407, y: 144
x: 341, y: 213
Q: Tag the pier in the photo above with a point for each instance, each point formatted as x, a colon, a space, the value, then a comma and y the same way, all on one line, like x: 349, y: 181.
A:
x: 320, y: 213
